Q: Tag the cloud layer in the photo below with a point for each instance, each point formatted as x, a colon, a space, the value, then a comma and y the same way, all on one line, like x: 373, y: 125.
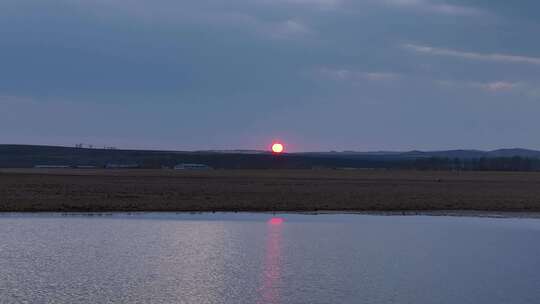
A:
x: 319, y: 74
x: 423, y: 49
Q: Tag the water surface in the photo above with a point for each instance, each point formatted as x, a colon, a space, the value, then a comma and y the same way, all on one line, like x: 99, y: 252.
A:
x: 252, y: 258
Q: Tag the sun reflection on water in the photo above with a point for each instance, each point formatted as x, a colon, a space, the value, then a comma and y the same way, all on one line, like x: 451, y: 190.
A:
x: 271, y: 277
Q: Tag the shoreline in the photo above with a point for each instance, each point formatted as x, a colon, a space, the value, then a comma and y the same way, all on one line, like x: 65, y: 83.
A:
x: 435, y: 213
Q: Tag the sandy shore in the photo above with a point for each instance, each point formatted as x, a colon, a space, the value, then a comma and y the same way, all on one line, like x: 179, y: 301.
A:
x: 496, y: 194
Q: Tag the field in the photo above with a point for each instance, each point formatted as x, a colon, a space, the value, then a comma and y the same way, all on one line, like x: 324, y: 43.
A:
x: 70, y: 190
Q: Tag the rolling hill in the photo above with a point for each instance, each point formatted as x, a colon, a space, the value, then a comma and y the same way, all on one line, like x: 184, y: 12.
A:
x: 25, y: 156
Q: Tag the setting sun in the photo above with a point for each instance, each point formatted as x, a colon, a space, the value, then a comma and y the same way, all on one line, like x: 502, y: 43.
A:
x: 277, y: 148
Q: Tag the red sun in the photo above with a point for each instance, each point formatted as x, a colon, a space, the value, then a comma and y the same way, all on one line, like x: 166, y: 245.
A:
x: 277, y: 148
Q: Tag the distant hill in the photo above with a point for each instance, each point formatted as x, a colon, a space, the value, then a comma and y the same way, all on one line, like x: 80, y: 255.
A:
x: 25, y: 156
x: 514, y: 152
x: 461, y: 154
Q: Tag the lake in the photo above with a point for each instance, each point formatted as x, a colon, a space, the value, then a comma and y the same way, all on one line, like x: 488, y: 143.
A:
x: 264, y: 258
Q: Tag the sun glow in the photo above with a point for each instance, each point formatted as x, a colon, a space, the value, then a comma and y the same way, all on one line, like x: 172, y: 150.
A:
x: 277, y: 148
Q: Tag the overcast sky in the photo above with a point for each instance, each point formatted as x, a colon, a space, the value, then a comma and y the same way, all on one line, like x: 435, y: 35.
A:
x: 316, y: 74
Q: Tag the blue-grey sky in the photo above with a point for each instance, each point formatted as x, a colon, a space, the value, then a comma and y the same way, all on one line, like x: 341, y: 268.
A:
x: 316, y: 74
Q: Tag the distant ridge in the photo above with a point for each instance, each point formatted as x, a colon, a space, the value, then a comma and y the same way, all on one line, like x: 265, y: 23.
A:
x: 25, y: 156
x: 459, y: 153
x: 462, y: 154
x: 514, y: 152
x: 235, y: 151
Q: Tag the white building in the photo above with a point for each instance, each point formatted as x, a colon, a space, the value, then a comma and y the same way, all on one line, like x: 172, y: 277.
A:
x: 192, y: 167
x: 122, y: 166
x: 52, y: 166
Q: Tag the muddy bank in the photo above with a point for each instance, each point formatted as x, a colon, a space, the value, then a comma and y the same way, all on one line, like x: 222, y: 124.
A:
x: 267, y: 190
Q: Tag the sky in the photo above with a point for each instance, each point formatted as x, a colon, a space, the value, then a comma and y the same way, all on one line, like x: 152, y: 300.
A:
x: 319, y: 75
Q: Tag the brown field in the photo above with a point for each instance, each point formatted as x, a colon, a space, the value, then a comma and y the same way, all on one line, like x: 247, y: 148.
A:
x: 69, y: 190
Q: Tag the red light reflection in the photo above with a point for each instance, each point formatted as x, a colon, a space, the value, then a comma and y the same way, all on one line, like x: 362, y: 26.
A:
x: 271, y: 283
x: 275, y: 221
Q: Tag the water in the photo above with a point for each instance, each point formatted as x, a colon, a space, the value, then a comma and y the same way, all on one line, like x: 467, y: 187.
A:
x: 249, y: 258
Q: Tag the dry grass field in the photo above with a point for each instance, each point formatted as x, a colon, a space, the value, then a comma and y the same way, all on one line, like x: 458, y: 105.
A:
x: 70, y: 190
